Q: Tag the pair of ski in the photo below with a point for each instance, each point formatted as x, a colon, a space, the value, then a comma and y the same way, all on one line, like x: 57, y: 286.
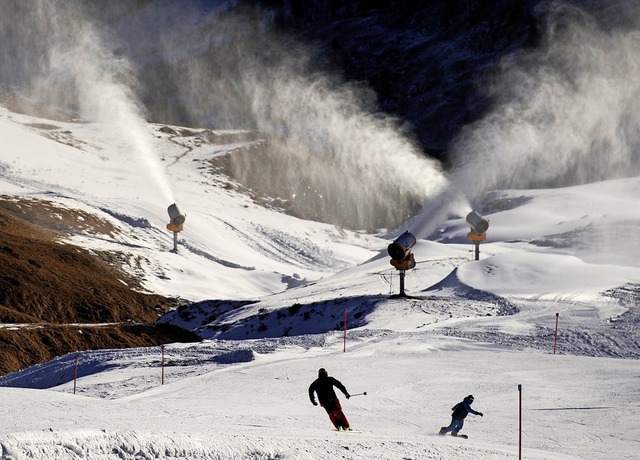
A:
x: 348, y: 430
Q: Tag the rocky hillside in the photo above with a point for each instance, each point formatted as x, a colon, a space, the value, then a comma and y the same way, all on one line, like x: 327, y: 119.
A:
x: 427, y: 60
x: 56, y: 298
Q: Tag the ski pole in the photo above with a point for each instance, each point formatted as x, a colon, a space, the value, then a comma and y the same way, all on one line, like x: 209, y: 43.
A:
x: 364, y: 393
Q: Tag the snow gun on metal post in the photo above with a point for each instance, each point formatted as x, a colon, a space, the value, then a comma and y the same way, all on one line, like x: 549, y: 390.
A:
x: 176, y: 223
x: 402, y: 257
x: 479, y: 226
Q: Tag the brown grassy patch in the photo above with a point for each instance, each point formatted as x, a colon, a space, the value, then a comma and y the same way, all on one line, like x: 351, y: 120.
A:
x: 51, y: 285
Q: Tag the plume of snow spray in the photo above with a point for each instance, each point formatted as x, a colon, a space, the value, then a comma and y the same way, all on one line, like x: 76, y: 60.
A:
x: 326, y: 151
x: 78, y: 70
x: 565, y: 113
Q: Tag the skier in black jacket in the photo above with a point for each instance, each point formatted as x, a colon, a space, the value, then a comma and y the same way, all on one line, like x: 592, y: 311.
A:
x: 323, y: 386
x: 460, y: 412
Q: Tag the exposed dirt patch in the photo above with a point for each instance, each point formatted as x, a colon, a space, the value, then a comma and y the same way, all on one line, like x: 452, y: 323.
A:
x: 48, y: 284
x: 52, y: 216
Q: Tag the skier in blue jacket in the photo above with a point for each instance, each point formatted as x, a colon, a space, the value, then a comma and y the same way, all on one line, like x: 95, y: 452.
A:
x: 460, y: 412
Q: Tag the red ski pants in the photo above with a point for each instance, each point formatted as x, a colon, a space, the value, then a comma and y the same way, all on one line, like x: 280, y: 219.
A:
x: 336, y: 415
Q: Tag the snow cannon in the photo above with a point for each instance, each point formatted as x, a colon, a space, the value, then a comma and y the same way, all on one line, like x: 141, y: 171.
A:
x: 176, y: 218
x: 400, y: 251
x: 478, y: 233
x: 479, y: 224
x: 175, y: 225
x: 402, y: 257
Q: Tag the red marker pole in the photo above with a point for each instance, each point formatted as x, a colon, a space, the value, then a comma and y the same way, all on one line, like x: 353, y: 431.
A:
x: 75, y: 374
x: 555, y: 336
x: 162, y: 365
x: 520, y: 422
x: 345, y: 331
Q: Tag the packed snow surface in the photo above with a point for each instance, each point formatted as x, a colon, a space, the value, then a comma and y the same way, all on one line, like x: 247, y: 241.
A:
x: 281, y: 286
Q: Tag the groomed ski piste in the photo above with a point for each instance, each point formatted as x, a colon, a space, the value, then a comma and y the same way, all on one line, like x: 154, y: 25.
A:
x: 466, y: 327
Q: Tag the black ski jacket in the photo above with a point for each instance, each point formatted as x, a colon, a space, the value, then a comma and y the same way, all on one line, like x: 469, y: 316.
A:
x: 323, y: 386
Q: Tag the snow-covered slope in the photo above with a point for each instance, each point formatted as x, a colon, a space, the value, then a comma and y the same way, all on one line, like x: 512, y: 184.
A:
x: 284, y: 285
x: 220, y: 403
x: 230, y: 247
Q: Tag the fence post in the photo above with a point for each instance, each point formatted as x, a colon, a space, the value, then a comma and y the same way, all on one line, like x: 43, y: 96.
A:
x: 555, y: 336
x: 162, y: 361
x: 520, y: 422
x: 344, y: 350
x: 75, y: 373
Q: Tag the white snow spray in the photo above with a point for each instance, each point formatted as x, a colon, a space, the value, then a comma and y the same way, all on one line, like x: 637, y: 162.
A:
x: 565, y: 113
x: 326, y: 152
x: 73, y: 68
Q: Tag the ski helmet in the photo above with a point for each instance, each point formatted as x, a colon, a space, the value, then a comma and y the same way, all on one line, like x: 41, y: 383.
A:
x: 470, y: 398
x: 322, y: 372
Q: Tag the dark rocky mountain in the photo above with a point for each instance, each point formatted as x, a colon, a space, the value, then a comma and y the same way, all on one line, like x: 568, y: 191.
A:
x: 427, y: 59
x: 424, y: 59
